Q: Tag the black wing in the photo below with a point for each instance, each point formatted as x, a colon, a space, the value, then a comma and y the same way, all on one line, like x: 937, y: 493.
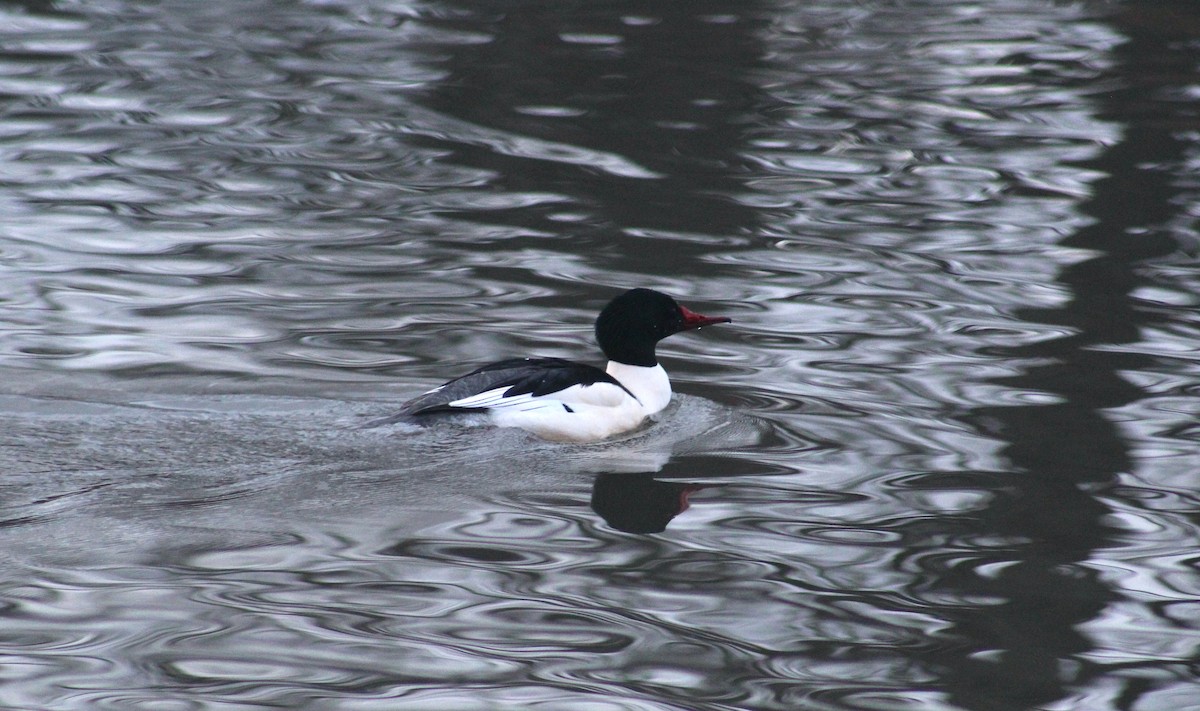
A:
x: 535, y: 376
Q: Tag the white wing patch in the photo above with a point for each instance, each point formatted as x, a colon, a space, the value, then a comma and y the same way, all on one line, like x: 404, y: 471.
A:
x: 595, y: 395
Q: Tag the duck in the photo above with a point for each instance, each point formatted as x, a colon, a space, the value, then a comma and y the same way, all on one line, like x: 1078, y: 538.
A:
x: 565, y: 401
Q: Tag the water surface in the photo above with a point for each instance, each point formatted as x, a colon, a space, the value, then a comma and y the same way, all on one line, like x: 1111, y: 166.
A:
x: 944, y: 458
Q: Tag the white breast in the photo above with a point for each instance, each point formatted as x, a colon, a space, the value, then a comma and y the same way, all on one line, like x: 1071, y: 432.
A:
x: 650, y: 386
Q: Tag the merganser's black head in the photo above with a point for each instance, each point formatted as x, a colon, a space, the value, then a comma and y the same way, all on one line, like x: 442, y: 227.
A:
x: 632, y: 324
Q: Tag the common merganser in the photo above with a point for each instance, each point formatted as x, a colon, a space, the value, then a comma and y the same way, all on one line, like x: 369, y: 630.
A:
x: 564, y: 401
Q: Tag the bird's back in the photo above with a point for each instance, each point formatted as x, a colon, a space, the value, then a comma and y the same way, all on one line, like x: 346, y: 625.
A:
x: 507, y: 379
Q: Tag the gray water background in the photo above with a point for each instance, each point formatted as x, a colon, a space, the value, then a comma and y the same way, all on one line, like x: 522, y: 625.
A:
x: 944, y: 458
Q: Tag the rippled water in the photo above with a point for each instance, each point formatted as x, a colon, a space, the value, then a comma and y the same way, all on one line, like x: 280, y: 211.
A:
x: 944, y: 458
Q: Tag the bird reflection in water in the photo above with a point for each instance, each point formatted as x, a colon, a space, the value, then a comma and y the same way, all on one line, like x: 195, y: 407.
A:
x: 638, y: 503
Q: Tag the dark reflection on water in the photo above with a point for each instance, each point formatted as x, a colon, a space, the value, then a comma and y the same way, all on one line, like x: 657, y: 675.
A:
x: 639, y: 503
x: 1068, y: 451
x: 668, y: 87
x: 945, y: 458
